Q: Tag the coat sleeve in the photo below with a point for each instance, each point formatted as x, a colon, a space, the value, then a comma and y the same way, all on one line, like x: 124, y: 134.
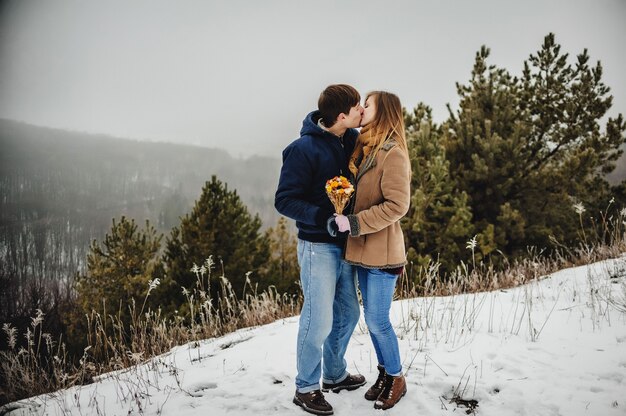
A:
x: 296, y: 176
x: 396, y: 189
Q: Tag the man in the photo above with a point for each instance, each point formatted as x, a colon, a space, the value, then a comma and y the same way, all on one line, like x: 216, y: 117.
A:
x: 331, y: 307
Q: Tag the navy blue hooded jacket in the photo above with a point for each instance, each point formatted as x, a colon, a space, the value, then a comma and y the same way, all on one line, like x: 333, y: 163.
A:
x: 308, y: 162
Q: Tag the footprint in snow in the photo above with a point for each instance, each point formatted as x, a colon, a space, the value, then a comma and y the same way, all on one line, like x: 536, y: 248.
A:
x: 230, y: 344
x: 197, y: 389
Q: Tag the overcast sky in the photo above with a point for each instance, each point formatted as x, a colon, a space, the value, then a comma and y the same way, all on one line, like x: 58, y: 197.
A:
x: 241, y: 75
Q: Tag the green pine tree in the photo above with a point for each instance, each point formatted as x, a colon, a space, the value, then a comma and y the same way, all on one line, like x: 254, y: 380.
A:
x: 120, y: 269
x: 568, y: 155
x: 524, y: 148
x: 439, y: 220
x: 219, y: 225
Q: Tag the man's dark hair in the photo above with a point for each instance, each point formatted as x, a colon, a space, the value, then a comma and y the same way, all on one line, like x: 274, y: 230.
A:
x: 337, y: 99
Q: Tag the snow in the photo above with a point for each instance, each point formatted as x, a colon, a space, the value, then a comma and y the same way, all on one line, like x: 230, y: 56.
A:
x: 556, y: 346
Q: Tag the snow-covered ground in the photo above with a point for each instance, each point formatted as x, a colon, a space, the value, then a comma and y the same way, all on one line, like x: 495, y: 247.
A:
x: 556, y: 346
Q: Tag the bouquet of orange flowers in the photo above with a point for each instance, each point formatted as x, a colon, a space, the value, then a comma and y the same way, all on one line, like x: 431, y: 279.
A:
x: 339, y: 190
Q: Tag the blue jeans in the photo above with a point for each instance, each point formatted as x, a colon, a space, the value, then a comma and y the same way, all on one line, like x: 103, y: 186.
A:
x: 377, y: 287
x: 329, y: 314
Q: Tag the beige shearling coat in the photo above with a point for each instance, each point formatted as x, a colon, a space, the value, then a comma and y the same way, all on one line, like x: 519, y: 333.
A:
x: 382, y: 198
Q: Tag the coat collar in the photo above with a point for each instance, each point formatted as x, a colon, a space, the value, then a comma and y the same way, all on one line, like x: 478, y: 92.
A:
x: 370, y: 162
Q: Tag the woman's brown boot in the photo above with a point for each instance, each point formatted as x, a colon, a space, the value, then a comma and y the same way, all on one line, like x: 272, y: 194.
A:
x: 374, y: 391
x: 393, y: 390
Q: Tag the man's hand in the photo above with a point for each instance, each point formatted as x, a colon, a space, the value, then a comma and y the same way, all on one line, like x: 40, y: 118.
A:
x: 331, y: 227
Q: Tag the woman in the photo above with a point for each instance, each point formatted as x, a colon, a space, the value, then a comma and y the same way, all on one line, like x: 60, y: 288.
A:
x: 380, y: 164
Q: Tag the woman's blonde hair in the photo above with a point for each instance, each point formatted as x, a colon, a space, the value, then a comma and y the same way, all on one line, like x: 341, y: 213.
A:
x: 389, y: 120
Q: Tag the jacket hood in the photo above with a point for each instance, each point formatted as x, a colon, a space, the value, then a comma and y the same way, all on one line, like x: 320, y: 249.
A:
x: 311, y: 128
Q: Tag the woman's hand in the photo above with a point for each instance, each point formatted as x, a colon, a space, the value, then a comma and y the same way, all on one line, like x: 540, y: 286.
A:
x: 342, y: 223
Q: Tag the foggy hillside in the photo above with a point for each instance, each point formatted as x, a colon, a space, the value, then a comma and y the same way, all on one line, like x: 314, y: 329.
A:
x: 60, y: 190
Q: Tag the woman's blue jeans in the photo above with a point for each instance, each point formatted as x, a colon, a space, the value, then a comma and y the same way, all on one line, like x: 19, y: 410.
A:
x: 377, y: 287
x: 329, y: 314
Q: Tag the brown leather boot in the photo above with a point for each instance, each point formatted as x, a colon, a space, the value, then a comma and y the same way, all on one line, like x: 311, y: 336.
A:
x: 374, y: 391
x: 352, y: 382
x: 393, y: 390
x: 313, y: 402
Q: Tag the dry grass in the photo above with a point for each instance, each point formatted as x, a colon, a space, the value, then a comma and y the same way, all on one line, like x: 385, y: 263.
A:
x: 481, y: 277
x: 45, y: 367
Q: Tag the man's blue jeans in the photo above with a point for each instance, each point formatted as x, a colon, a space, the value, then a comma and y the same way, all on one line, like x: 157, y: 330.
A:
x: 377, y: 287
x: 329, y: 314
